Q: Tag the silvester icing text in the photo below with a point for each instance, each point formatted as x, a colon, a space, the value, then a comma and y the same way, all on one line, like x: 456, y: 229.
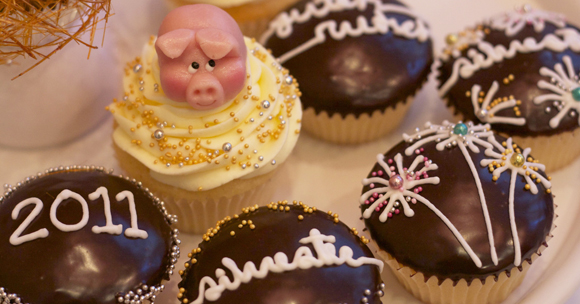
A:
x: 303, y: 259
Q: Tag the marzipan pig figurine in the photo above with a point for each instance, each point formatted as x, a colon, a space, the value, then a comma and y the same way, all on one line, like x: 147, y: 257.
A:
x: 202, y: 56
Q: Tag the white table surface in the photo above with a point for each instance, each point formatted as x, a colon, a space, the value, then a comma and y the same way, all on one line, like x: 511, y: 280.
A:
x: 327, y: 175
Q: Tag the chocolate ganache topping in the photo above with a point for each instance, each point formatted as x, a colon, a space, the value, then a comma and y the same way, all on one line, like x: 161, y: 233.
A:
x: 352, y: 56
x: 281, y: 253
x: 83, y: 235
x: 517, y: 71
x: 456, y: 201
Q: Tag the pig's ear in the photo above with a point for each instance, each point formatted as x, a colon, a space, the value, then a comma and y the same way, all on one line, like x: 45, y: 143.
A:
x: 217, y: 44
x: 173, y: 43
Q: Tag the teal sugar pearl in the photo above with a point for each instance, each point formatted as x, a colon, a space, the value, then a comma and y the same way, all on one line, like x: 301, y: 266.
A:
x: 460, y: 129
x: 576, y: 94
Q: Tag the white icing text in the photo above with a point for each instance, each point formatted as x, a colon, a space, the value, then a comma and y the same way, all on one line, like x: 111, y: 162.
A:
x: 17, y: 238
x: 303, y: 259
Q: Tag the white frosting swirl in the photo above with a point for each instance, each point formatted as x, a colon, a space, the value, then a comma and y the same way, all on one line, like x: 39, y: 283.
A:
x: 261, y: 125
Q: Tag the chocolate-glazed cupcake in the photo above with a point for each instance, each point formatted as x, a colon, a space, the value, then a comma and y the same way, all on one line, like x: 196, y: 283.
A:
x: 359, y: 64
x: 519, y: 72
x: 83, y: 235
x: 281, y: 253
x: 458, y: 212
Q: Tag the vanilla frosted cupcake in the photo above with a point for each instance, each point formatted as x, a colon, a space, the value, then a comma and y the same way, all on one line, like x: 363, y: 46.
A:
x: 252, y: 16
x: 518, y: 71
x: 205, y: 155
x: 458, y: 213
x: 359, y: 64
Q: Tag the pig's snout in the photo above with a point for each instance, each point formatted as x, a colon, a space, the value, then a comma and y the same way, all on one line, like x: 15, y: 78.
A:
x: 205, y: 92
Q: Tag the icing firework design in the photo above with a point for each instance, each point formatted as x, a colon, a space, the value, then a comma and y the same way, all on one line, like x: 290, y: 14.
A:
x: 565, y: 88
x: 519, y: 164
x: 487, y: 111
x: 514, y: 21
x: 392, y: 187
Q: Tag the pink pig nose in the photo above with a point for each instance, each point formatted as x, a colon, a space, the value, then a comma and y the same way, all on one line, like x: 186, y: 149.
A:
x: 205, y: 92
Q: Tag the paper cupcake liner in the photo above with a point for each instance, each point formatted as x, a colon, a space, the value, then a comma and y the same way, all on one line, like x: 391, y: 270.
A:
x: 198, y: 210
x: 430, y: 291
x: 353, y: 130
x: 554, y: 151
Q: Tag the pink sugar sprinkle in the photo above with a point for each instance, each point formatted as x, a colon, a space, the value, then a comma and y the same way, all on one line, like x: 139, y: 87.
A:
x: 425, y: 175
x: 420, y: 188
x: 427, y: 164
x: 374, y: 174
x: 372, y: 199
x: 377, y: 209
x: 417, y: 151
x: 380, y: 195
x: 380, y: 172
x: 416, y: 190
x: 417, y: 177
x: 389, y: 214
x: 375, y: 195
x: 414, y: 200
x: 372, y: 185
x: 426, y: 158
x: 404, y: 168
x: 381, y: 205
x: 390, y: 161
x: 367, y: 202
x: 422, y: 149
x: 392, y: 168
x: 397, y: 211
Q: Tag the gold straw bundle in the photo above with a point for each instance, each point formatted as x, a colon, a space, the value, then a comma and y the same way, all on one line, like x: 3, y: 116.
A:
x: 39, y: 28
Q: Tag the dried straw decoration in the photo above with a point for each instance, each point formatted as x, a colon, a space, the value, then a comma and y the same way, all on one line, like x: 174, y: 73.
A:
x: 39, y: 28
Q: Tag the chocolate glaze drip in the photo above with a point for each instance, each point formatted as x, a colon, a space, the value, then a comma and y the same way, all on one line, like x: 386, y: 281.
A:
x: 424, y: 243
x: 356, y: 74
x: 525, y: 68
x: 81, y: 266
x: 280, y: 231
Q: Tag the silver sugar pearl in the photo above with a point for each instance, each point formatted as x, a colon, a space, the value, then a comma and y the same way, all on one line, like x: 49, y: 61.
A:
x: 256, y: 166
x: 367, y: 292
x: 265, y: 104
x: 380, y: 293
x: 251, y: 120
x: 137, y: 68
x: 273, y: 162
x: 158, y: 134
x: 243, y: 166
x: 548, y: 110
x: 141, y: 82
x: 227, y: 147
x: 261, y: 158
x: 288, y: 80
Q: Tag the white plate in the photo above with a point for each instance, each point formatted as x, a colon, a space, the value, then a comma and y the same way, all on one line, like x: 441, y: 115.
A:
x: 329, y: 176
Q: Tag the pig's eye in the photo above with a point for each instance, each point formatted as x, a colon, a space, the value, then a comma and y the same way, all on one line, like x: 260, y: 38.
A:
x: 210, y: 65
x: 193, y: 67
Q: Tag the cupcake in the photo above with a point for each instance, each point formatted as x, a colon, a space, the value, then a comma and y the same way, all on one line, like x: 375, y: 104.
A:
x: 458, y: 213
x: 359, y: 64
x: 252, y: 16
x: 281, y: 253
x: 518, y: 72
x: 100, y: 238
x: 207, y: 117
